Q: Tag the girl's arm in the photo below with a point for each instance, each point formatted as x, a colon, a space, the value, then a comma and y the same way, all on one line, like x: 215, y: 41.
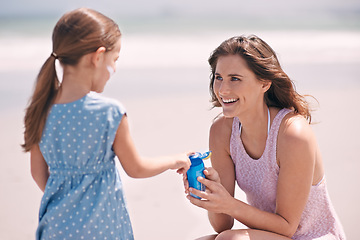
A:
x: 296, y: 155
x: 39, y: 168
x: 138, y: 167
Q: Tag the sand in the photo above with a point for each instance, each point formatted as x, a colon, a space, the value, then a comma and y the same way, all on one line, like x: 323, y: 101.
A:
x: 169, y: 113
x: 158, y: 207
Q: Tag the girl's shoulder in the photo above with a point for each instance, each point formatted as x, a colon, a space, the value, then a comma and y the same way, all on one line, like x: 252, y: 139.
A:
x: 95, y: 100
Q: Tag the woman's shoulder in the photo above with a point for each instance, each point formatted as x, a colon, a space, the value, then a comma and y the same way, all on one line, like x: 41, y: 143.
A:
x: 295, y: 129
x: 297, y: 146
x: 221, y: 128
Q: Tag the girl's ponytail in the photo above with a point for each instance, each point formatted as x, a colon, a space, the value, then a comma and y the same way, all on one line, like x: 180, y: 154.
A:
x: 77, y: 33
x: 46, y: 88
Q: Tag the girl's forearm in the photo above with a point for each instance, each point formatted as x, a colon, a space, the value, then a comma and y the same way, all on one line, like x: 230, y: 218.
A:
x: 148, y: 167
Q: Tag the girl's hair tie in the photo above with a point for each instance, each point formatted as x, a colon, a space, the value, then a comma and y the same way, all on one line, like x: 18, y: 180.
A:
x: 54, y: 55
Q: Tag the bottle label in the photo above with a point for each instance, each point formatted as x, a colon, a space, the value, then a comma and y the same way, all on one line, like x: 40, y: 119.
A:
x: 192, y: 174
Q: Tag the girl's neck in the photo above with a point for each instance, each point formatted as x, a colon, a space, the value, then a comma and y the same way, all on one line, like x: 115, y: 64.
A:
x: 75, y: 85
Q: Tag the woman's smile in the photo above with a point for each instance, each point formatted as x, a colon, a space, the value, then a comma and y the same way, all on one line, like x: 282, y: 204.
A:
x: 228, y: 101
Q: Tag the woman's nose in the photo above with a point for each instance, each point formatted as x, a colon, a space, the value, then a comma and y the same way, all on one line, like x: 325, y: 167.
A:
x: 224, y: 88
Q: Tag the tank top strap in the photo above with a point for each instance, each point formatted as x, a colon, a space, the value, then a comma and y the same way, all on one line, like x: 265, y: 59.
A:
x: 275, y: 125
x: 235, y: 131
x: 235, y: 140
x: 274, y: 130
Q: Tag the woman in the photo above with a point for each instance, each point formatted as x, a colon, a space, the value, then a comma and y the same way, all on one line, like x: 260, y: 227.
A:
x: 264, y: 142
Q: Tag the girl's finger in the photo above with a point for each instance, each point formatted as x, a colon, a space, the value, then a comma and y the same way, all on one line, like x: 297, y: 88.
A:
x: 186, y: 184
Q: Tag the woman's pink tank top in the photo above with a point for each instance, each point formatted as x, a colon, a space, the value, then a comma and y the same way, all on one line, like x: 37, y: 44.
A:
x: 258, y: 179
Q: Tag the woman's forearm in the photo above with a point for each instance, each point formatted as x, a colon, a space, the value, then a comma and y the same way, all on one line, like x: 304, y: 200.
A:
x: 223, y: 208
x: 220, y: 222
x: 257, y: 219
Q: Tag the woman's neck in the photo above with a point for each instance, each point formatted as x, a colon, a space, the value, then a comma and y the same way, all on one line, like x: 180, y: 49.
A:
x: 254, y: 126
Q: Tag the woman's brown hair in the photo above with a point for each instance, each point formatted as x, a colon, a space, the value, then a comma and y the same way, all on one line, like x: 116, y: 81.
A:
x: 262, y: 60
x: 76, y: 34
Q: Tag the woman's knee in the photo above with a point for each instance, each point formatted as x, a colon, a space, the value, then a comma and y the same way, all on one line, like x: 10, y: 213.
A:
x: 249, y: 234
x: 233, y: 235
x: 210, y: 237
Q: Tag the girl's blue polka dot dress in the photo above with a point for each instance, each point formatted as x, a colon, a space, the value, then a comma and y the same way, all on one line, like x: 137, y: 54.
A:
x: 83, y: 198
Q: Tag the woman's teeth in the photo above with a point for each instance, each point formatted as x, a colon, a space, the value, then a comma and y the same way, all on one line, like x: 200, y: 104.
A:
x: 230, y: 100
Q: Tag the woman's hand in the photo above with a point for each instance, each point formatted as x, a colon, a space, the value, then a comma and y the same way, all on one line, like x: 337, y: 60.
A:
x: 215, y: 195
x: 210, y: 173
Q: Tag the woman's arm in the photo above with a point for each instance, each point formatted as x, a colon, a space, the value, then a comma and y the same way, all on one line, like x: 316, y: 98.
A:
x: 219, y: 142
x: 39, y: 168
x: 296, y: 153
x: 138, y: 167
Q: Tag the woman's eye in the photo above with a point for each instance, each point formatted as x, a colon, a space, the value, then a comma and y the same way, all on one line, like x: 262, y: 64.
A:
x: 218, y: 78
x: 235, y: 79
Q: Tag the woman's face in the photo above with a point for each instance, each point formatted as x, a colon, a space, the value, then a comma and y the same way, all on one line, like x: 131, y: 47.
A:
x: 236, y: 86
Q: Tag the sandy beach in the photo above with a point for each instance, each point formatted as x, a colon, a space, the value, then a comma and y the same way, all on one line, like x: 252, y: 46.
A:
x: 168, y: 106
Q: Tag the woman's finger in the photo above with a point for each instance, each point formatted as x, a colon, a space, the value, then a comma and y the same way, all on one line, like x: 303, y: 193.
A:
x: 197, y: 202
x: 212, y: 174
x: 208, y: 183
x: 201, y: 194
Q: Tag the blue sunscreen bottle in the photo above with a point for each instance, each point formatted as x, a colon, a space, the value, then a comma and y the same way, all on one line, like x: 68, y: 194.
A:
x: 197, y: 170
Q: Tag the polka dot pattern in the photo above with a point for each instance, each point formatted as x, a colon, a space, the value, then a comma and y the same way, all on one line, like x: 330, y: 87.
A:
x: 83, y: 198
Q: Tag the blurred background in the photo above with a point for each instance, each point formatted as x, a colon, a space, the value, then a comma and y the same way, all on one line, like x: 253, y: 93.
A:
x: 162, y: 78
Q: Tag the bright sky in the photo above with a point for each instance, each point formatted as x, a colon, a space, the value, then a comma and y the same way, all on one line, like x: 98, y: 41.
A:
x: 19, y: 8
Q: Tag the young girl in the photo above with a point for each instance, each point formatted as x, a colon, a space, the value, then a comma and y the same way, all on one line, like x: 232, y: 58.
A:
x: 74, y: 134
x: 264, y: 142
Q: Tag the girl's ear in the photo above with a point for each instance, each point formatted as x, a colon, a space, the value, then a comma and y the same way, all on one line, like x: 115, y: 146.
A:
x: 97, y: 56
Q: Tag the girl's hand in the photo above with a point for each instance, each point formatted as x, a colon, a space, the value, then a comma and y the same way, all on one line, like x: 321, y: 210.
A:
x: 181, y: 163
x: 186, y: 184
x: 216, y: 198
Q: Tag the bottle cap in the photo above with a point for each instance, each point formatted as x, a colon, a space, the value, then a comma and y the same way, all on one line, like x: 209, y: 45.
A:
x: 197, y: 157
